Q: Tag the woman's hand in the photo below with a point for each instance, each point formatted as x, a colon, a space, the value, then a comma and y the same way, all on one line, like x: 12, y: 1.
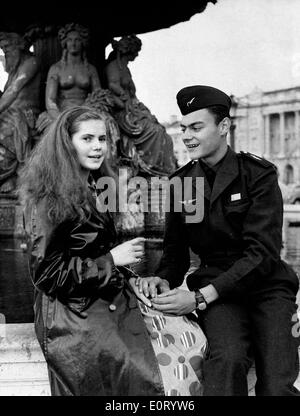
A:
x: 152, y: 285
x: 129, y: 252
x: 176, y: 301
x: 139, y: 295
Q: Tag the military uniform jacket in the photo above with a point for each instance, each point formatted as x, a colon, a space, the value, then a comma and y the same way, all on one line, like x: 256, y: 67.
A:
x: 239, y: 238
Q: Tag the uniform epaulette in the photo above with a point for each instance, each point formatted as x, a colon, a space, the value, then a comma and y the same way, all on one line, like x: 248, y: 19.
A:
x: 181, y: 169
x: 263, y: 162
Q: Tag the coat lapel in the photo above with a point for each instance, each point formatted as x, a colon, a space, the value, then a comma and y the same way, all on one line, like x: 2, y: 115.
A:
x: 227, y: 172
x: 197, y: 172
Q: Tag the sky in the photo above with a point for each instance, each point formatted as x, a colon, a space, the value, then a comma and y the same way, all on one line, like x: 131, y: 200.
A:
x: 234, y: 45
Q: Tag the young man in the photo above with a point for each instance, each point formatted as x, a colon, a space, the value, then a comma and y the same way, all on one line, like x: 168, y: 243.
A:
x: 243, y: 292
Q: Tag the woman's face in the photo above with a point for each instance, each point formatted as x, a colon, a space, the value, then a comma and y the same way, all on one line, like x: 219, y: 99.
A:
x: 90, y: 143
x: 74, y: 43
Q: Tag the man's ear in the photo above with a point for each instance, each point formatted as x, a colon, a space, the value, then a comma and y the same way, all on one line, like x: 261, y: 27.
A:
x: 224, y: 126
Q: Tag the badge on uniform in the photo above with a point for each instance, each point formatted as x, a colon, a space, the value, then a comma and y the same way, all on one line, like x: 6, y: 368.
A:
x: 235, y: 197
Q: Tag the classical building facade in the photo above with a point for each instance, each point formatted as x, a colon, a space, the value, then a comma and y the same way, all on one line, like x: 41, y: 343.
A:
x: 267, y: 124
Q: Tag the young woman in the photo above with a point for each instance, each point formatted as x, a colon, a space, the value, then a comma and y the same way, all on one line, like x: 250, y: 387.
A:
x: 87, y: 317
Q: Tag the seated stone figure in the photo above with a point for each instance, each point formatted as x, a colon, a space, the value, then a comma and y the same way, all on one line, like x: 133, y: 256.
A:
x: 142, y: 135
x: 19, y: 107
x: 71, y: 79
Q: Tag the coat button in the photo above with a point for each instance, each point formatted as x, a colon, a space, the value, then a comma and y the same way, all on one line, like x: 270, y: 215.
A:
x: 112, y: 307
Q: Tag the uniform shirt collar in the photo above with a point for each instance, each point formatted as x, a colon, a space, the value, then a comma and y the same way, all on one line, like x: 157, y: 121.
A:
x: 211, y: 171
x: 215, y: 167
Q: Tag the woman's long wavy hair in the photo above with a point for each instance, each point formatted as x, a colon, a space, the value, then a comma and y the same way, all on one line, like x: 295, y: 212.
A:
x: 52, y: 173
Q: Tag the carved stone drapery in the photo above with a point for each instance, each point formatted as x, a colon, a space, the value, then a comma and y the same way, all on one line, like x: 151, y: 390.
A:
x: 19, y: 107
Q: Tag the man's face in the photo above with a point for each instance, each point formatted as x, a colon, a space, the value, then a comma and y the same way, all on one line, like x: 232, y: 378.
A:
x: 201, y: 136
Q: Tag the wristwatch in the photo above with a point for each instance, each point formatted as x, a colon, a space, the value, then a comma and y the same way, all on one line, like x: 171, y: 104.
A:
x: 201, y: 303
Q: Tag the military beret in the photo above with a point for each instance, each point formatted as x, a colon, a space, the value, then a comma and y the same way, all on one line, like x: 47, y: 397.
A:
x: 194, y: 98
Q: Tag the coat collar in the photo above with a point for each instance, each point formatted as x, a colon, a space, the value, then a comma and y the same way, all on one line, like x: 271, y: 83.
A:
x: 197, y: 171
x: 226, y: 173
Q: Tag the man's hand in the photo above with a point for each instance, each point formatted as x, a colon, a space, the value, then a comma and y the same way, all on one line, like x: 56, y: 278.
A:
x: 152, y: 285
x: 176, y: 301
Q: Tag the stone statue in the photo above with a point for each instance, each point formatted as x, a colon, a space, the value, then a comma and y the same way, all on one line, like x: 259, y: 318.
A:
x: 19, y: 107
x: 142, y: 135
x: 71, y: 79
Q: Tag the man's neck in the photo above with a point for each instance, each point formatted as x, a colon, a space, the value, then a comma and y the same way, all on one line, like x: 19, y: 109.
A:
x: 212, y: 161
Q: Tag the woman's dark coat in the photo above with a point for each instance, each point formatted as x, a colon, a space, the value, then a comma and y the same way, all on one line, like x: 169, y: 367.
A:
x: 87, y: 319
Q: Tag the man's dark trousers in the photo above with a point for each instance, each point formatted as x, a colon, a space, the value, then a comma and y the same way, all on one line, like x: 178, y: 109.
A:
x: 261, y: 325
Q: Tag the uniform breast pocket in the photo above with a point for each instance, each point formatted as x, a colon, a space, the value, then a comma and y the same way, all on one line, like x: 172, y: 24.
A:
x: 235, y: 211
